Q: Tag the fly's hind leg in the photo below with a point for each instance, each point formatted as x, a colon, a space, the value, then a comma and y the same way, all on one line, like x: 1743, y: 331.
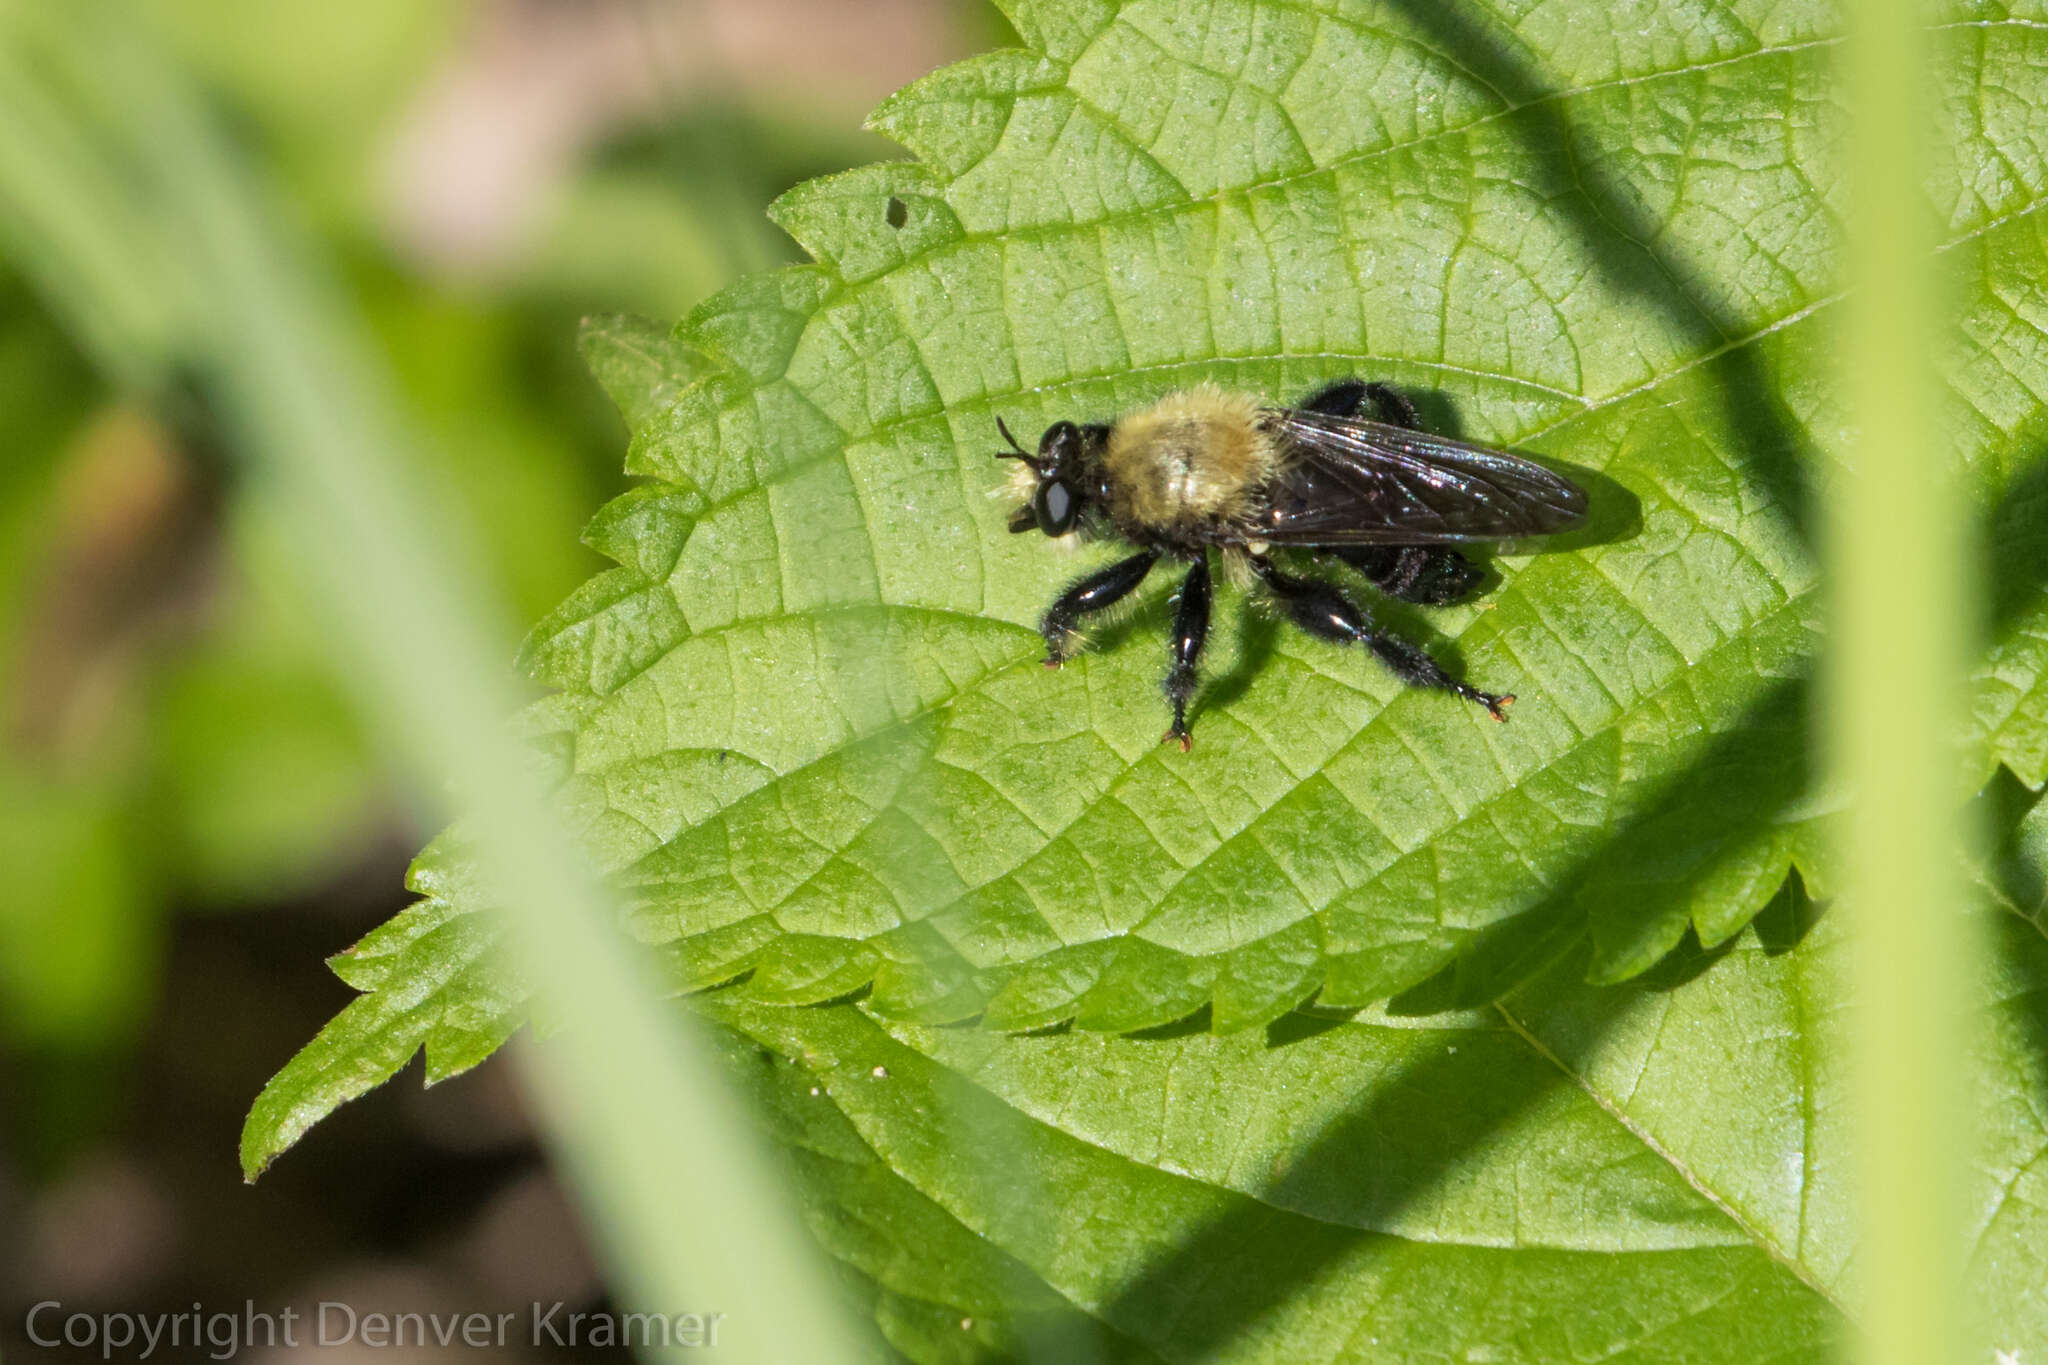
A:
x: 1341, y: 399
x: 1094, y: 593
x: 1428, y: 575
x: 1325, y: 612
x: 1348, y: 397
x: 1396, y: 408
x: 1190, y: 631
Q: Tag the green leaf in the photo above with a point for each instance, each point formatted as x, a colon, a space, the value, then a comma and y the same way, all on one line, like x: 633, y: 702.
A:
x: 803, y: 725
x: 434, y: 977
x: 817, y: 602
x: 1334, y: 1190
x: 642, y: 365
x: 1659, y: 1170
x: 937, y: 1290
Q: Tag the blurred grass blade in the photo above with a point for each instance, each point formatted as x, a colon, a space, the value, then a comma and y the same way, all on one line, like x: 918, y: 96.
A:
x: 65, y: 221
x: 1898, y: 708
x: 679, y: 1192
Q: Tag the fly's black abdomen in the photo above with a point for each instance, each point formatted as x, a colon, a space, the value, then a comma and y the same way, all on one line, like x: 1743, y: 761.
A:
x: 1351, y: 481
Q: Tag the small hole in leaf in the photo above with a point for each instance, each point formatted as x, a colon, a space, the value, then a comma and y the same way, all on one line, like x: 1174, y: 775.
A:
x: 899, y: 212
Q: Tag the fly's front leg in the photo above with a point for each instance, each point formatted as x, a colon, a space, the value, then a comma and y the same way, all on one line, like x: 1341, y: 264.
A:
x: 1325, y: 612
x: 1092, y: 594
x: 1190, y: 632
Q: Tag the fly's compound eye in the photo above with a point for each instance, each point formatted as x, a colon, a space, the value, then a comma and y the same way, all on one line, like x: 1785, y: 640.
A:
x: 1055, y: 507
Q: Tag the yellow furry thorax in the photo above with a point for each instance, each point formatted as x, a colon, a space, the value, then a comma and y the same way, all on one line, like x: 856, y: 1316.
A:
x: 1192, y: 459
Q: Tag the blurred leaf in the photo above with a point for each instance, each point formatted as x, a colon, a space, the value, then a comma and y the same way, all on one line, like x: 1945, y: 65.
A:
x: 505, y: 433
x: 264, y: 782
x: 637, y: 1118
x: 668, y: 214
x: 324, y: 85
x: 78, y: 931
x: 48, y: 393
x: 78, y: 936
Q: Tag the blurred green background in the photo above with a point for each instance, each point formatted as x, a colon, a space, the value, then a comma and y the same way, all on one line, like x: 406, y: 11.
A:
x: 190, y: 817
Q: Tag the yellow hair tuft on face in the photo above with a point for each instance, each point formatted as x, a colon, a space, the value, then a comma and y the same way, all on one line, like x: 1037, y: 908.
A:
x: 1019, y: 486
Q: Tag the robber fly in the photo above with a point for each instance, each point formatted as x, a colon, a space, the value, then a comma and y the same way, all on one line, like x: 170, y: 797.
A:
x: 1205, y: 469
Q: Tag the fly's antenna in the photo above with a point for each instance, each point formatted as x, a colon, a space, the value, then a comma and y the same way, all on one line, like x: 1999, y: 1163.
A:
x: 1015, y: 452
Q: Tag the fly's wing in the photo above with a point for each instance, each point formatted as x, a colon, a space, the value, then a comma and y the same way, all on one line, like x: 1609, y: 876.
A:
x: 1348, y: 481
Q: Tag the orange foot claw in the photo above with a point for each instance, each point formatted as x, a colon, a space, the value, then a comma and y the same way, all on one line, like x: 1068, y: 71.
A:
x: 1187, y: 741
x: 1052, y: 661
x: 1494, y: 705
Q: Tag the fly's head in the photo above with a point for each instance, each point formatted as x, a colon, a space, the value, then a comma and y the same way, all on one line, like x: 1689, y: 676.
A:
x: 1053, y: 480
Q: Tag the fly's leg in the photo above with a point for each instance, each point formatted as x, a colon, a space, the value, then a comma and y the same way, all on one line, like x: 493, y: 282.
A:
x: 1348, y: 397
x: 1428, y: 575
x: 1098, y: 590
x: 1341, y: 399
x: 1396, y: 408
x: 1325, y: 612
x: 1190, y: 631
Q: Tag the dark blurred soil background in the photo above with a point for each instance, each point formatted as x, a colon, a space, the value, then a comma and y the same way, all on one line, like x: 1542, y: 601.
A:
x: 190, y: 818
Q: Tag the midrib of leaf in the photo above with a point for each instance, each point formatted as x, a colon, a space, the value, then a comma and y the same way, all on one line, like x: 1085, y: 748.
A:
x: 1509, y: 107
x: 1191, y: 205
x: 992, y: 404
x: 1752, y: 1230
x: 877, y: 1141
x: 986, y: 407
